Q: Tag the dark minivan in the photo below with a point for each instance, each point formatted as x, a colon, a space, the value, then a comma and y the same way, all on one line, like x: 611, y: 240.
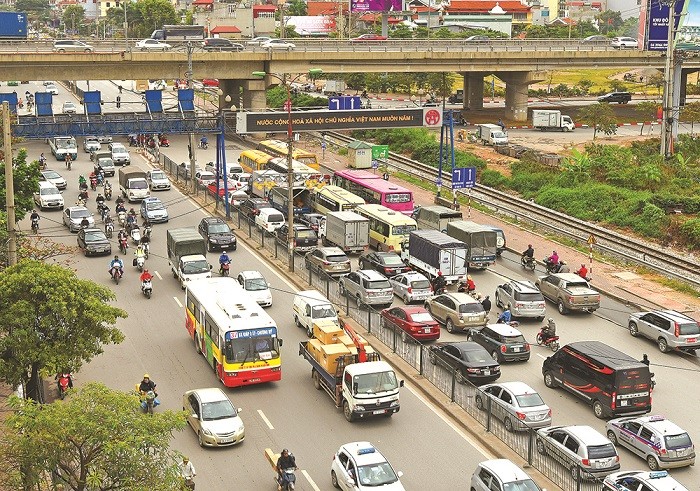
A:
x: 611, y: 381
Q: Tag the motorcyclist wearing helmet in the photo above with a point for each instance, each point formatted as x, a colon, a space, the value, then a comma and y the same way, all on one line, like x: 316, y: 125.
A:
x: 116, y: 265
x: 563, y: 267
x: 439, y: 283
x: 100, y: 200
x: 529, y: 252
x: 223, y: 259
x: 140, y: 252
x: 286, y: 461
x: 550, y: 329
x: 147, y: 384
x: 145, y: 276
x: 505, y: 317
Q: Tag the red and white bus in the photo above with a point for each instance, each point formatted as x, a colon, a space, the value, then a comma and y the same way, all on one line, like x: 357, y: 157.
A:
x: 375, y: 190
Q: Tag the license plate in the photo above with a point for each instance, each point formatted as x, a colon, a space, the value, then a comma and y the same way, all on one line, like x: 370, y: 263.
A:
x: 516, y: 349
x: 487, y: 372
x: 692, y: 340
x: 381, y: 411
x: 426, y: 330
x: 225, y: 440
x: 473, y: 318
x: 253, y: 380
x: 624, y: 402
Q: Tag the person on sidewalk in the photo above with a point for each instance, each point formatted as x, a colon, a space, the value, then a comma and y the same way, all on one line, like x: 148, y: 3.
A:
x: 583, y: 272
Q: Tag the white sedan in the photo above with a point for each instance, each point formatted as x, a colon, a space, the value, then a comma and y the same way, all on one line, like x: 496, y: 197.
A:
x: 205, y: 178
x: 278, y: 44
x: 152, y: 44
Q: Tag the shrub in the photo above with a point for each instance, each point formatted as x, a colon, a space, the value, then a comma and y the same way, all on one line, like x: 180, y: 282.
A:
x: 690, y: 233
x: 494, y: 179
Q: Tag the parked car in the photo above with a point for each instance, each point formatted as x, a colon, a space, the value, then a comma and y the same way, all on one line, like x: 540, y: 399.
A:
x: 305, y: 239
x: 152, y: 45
x: 69, y: 108
x: 91, y: 144
x: 221, y: 44
x: 623, y: 42
x: 662, y: 443
x: 257, y: 41
x: 505, y: 343
x: 217, y: 234
x: 411, y: 287
x: 368, y: 37
x: 522, y: 298
x: 257, y: 287
x: 579, y: 448
x: 412, y: 322
x: 642, y: 481
x: 63, y: 45
x: 273, y: 44
x: 54, y: 178
x: 467, y: 360
x: 329, y: 260
x: 153, y: 210
x: 619, y: 97
x: 517, y: 404
x: 93, y: 241
x: 359, y: 466
x: 501, y: 475
x: 670, y: 329
x: 457, y: 311
x: 48, y: 196
x: 366, y: 286
x: 213, y: 417
x: 73, y: 217
x: 387, y: 263
x: 157, y: 180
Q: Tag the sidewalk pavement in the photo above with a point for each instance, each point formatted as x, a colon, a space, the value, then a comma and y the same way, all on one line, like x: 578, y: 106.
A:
x: 617, y: 281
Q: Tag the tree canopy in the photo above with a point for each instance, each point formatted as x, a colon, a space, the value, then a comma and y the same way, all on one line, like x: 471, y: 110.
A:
x: 96, y: 439
x: 73, y: 17
x: 600, y: 116
x: 26, y: 179
x: 144, y: 16
x: 51, y: 320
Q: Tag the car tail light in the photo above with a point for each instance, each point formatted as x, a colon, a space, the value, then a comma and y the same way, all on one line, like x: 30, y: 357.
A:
x: 549, y: 413
x: 473, y: 370
x: 586, y: 462
x: 527, y: 346
x: 391, y: 247
x: 521, y: 416
x: 676, y: 329
x: 613, y: 401
x: 503, y: 348
x: 387, y: 270
x: 326, y: 263
x: 410, y: 289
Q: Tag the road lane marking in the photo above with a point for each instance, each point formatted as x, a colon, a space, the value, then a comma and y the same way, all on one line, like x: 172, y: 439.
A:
x: 311, y: 481
x: 158, y: 274
x: 264, y: 418
x: 177, y: 300
x: 542, y: 356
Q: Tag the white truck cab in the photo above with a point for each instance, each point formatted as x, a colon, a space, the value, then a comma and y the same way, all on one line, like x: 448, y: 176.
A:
x: 310, y: 306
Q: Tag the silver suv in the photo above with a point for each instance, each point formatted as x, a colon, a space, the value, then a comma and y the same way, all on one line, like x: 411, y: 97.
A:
x: 522, y: 298
x: 71, y: 45
x: 367, y: 286
x: 670, y: 329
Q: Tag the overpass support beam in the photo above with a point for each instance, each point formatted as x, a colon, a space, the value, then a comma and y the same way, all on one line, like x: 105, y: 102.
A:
x: 473, y: 90
x: 254, y: 95
x: 230, y: 88
x: 516, y: 95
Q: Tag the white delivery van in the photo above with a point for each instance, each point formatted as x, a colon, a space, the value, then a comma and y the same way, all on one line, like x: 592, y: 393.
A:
x: 309, y: 307
x: 491, y: 134
x: 269, y: 220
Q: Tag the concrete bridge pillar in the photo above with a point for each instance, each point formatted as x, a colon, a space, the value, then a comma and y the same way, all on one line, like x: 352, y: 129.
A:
x: 516, y: 93
x: 230, y: 88
x: 473, y: 90
x: 254, y: 95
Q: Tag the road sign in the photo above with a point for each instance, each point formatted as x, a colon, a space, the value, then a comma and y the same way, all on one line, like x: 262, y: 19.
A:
x: 591, y: 240
x: 375, y: 164
x: 380, y: 152
x: 287, y: 105
x: 438, y: 182
x: 344, y: 102
x: 463, y: 177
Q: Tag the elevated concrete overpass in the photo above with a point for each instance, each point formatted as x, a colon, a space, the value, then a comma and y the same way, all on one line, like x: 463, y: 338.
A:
x: 517, y: 62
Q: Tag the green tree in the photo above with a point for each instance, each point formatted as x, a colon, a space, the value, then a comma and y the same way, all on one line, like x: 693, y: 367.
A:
x: 691, y: 112
x: 585, y: 85
x: 35, y: 9
x: 600, y: 116
x: 296, y: 8
x: 609, y: 21
x: 39, y: 248
x: 73, y: 17
x: 25, y: 178
x: 149, y: 15
x: 648, y: 111
x: 51, y: 320
x: 96, y: 439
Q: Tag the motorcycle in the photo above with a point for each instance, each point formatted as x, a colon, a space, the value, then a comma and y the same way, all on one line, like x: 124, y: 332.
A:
x: 528, y: 262
x: 224, y: 268
x: 203, y: 145
x: 550, y: 266
x: 105, y: 214
x: 93, y: 183
x: 121, y: 218
x: 139, y: 262
x: 289, y: 479
x: 189, y: 483
x: 108, y: 192
x: 550, y: 341
x: 35, y: 225
x: 146, y: 248
x: 64, y: 383
x: 149, y: 401
x: 135, y: 234
x: 164, y: 142
x: 116, y: 273
x: 80, y: 201
x: 147, y: 288
x: 109, y: 229
x: 123, y: 245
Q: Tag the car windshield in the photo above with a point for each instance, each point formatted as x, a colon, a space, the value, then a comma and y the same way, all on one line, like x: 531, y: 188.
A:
x: 94, y: 236
x: 422, y: 317
x: 498, y: 134
x: 219, y: 228
x: 212, y: 411
x: 514, y: 339
x: 323, y: 311
x: 392, y: 260
x: 529, y: 400
x: 403, y: 229
x: 106, y: 163
x: 372, y: 383
x: 138, y: 185
x: 690, y: 328
x: 155, y: 205
x: 157, y: 175
x: 420, y: 284
x: 256, y: 284
x: 195, y: 267
x: 52, y: 175
x: 336, y: 259
x: 378, y: 474
x: 471, y: 308
x: 48, y: 191
x: 378, y: 284
x: 80, y: 213
x: 681, y: 440
x: 601, y: 451
x: 306, y: 234
x: 526, y: 485
x: 475, y: 356
x: 275, y: 218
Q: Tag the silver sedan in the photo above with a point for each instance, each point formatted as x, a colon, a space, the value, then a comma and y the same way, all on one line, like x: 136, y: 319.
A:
x: 411, y: 287
x: 517, y: 404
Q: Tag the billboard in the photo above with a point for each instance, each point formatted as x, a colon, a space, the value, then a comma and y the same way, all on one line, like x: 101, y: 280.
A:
x: 655, y: 22
x: 360, y: 6
x: 325, y: 120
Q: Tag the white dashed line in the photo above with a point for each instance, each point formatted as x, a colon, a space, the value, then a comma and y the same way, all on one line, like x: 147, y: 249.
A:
x: 311, y: 481
x: 177, y: 300
x: 158, y: 274
x: 264, y: 418
x: 542, y: 356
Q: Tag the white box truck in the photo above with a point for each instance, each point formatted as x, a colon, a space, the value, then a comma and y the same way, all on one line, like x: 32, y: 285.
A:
x: 491, y: 134
x: 345, y: 229
x: 187, y: 255
x: 431, y: 252
x: 133, y: 184
x: 551, y: 119
x: 334, y: 87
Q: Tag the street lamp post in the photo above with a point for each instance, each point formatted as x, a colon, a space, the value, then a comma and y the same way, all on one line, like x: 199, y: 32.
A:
x: 287, y: 81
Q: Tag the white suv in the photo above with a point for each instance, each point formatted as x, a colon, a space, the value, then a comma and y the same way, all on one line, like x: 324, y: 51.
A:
x: 367, y: 286
x: 64, y: 45
x: 359, y: 466
x: 120, y: 155
x: 48, y: 196
x: 670, y: 330
x: 501, y: 475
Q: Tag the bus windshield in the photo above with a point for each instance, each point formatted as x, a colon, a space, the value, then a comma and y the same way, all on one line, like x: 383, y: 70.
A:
x: 253, y: 349
x: 403, y: 229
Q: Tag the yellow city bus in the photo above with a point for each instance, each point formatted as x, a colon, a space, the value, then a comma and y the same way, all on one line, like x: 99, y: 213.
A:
x: 333, y: 198
x: 278, y: 148
x: 388, y: 229
x: 252, y: 160
x: 232, y: 332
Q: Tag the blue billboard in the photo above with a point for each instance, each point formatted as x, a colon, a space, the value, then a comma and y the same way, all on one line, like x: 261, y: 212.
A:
x: 657, y: 22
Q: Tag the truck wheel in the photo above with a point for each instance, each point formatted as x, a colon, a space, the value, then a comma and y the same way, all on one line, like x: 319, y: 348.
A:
x: 449, y: 326
x: 296, y: 321
x: 347, y: 412
x: 316, y: 378
x: 561, y: 307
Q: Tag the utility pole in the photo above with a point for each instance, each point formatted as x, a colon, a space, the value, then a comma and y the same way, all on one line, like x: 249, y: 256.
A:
x: 9, y: 184
x: 192, y: 145
x: 290, y: 174
x: 667, y: 125
x: 126, y: 27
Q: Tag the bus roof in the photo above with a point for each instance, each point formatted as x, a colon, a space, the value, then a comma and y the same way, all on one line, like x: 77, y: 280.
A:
x: 373, y: 182
x: 258, y: 155
x: 281, y: 146
x: 298, y: 167
x: 356, y: 174
x: 385, y: 214
x: 228, y: 304
x: 340, y: 194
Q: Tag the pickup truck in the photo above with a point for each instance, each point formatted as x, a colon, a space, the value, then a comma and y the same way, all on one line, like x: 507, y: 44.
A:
x: 187, y: 255
x: 62, y: 145
x: 569, y: 291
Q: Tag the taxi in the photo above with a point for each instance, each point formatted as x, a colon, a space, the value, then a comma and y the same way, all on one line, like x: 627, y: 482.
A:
x: 642, y: 480
x: 662, y: 443
x: 359, y: 466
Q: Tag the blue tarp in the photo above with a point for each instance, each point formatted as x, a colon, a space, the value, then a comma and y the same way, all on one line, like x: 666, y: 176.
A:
x: 44, y: 101
x: 91, y: 101
x: 154, y: 101
x: 186, y: 99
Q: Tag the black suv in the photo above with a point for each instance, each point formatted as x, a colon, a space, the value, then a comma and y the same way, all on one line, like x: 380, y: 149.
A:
x: 220, y: 44
x: 218, y: 234
x: 619, y: 97
x: 252, y: 206
x: 305, y: 239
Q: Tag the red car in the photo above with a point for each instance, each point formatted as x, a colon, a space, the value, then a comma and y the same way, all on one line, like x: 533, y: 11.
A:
x: 210, y: 82
x: 413, y: 321
x: 368, y: 37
